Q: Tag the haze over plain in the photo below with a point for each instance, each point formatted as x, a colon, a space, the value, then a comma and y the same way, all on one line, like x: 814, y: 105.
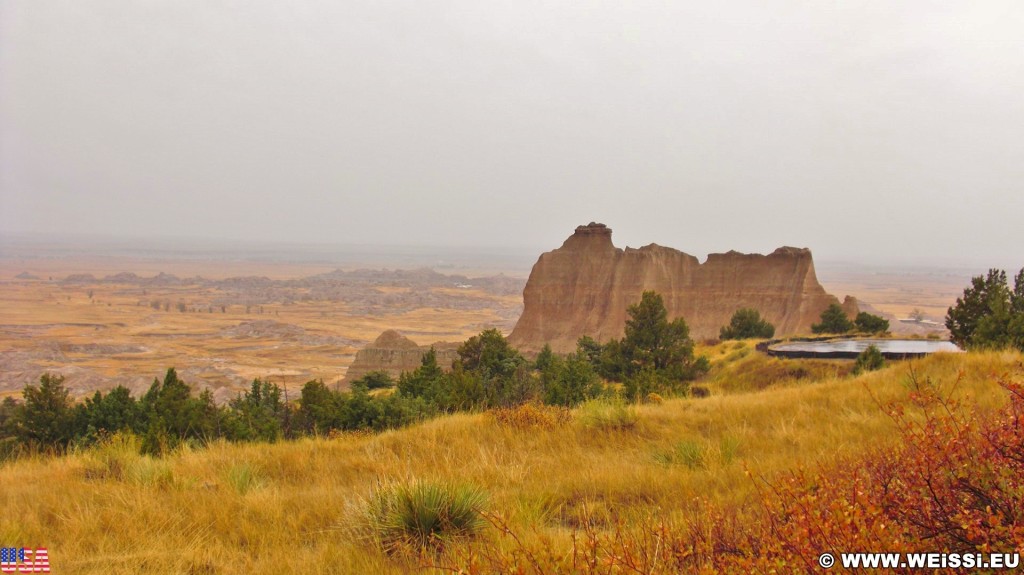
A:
x: 873, y: 131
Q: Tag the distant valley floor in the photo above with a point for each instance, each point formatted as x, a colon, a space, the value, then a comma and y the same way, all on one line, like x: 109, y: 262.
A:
x: 104, y: 321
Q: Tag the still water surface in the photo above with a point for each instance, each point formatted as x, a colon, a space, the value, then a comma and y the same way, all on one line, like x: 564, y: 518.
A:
x: 859, y: 345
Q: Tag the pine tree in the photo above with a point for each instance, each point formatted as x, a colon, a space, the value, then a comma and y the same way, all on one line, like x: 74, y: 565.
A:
x: 833, y: 320
x: 747, y: 324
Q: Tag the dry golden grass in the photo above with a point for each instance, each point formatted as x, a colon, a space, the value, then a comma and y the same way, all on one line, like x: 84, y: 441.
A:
x: 293, y: 507
x: 739, y: 368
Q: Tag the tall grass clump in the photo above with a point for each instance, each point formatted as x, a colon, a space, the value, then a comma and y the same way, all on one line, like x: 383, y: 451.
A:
x: 608, y: 414
x: 244, y: 477
x: 422, y: 516
x: 728, y: 448
x: 117, y: 457
x: 114, y: 457
x: 155, y: 472
x: 687, y: 453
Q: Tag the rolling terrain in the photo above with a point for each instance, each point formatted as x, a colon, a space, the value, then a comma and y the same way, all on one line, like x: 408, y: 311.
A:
x: 223, y: 330
x: 265, y: 508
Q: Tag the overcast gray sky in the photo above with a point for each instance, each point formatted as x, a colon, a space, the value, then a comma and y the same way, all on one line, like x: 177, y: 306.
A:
x: 859, y: 129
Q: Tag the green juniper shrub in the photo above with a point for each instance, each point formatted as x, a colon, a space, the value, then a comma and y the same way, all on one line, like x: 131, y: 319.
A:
x: 833, y: 320
x: 868, y: 323
x: 868, y: 360
x: 746, y: 323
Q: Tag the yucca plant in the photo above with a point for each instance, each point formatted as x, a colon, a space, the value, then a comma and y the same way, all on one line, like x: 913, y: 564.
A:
x: 423, y: 516
x: 244, y: 477
x: 606, y: 414
x: 688, y: 453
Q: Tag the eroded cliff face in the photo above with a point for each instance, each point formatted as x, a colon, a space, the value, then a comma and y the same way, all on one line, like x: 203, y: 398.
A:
x: 584, y: 288
x: 394, y: 353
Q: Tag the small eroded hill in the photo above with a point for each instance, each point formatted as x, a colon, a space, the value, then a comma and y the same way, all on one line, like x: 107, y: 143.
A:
x: 394, y: 353
x: 585, y: 286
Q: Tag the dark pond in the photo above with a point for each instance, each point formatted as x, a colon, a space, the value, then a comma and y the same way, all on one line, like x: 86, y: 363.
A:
x: 852, y: 347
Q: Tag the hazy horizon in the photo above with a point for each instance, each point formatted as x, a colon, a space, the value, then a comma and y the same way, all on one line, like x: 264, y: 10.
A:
x: 509, y: 259
x: 881, y: 132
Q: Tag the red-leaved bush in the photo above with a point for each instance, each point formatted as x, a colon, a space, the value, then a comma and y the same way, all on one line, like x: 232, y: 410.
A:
x: 954, y: 483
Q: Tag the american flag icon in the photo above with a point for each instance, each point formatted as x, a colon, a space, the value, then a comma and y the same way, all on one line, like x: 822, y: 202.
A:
x: 22, y: 560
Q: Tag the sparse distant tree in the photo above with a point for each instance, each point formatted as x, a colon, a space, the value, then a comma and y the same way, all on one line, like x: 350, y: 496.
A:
x: 917, y: 315
x: 747, y: 324
x: 833, y: 320
x: 182, y: 307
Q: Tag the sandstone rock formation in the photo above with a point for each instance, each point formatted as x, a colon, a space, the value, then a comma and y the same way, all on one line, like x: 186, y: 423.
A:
x: 394, y: 353
x: 584, y: 288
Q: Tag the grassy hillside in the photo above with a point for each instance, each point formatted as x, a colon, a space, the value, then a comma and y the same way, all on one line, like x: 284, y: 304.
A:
x: 300, y: 506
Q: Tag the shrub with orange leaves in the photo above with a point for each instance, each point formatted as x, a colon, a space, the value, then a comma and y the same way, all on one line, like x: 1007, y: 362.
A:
x: 531, y: 415
x: 955, y: 483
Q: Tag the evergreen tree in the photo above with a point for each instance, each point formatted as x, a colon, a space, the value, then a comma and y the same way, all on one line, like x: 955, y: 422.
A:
x: 570, y: 381
x: 172, y: 415
x: 490, y: 368
x: 833, y: 320
x: 490, y: 355
x: 9, y: 412
x: 113, y: 412
x: 46, y: 418
x: 653, y: 342
x: 869, y: 360
x: 747, y: 324
x: 376, y: 380
x: 423, y: 381
x: 257, y: 414
x: 544, y: 359
x: 590, y: 349
x: 611, y: 362
x: 989, y: 314
x: 318, y: 409
x: 868, y: 323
